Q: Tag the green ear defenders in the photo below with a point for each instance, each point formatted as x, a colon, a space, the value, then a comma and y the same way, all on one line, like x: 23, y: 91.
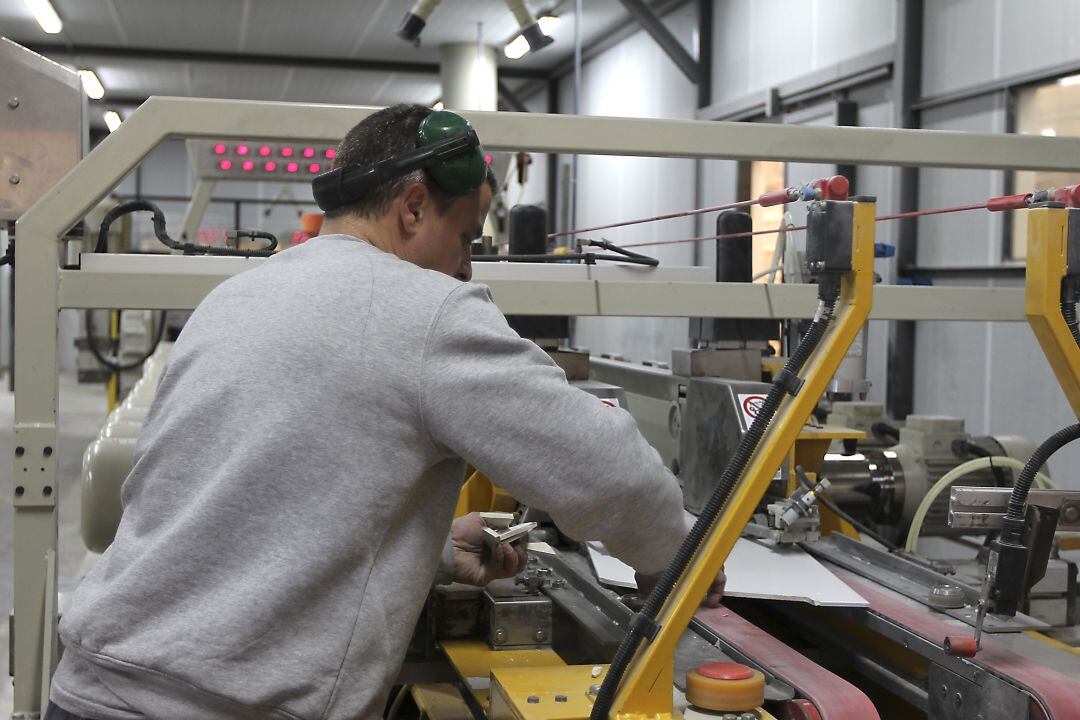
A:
x: 446, y: 145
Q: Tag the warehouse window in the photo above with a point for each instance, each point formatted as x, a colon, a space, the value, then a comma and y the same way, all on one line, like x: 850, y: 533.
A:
x: 1050, y: 109
x: 765, y: 177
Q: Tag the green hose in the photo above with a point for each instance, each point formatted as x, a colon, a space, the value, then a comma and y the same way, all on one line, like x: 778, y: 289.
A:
x: 952, y: 476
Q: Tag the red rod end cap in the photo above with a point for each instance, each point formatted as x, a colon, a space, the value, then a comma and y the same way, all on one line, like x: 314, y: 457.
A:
x: 961, y: 646
x: 833, y: 188
x: 1069, y: 195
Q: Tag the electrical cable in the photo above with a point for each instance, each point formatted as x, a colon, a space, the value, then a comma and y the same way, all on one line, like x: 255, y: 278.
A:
x: 829, y: 293
x: 655, y: 218
x: 113, y: 363
x: 399, y: 700
x: 835, y: 510
x: 963, y: 447
x: 885, y: 431
x: 952, y: 476
x: 186, y: 247
x: 1013, y: 523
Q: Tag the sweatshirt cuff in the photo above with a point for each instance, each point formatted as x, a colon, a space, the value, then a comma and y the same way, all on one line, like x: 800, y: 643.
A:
x: 445, y: 573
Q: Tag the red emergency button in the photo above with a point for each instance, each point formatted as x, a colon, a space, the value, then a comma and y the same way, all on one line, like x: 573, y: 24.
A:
x: 726, y: 671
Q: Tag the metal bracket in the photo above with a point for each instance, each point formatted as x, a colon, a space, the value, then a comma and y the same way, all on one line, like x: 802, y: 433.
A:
x: 659, y: 32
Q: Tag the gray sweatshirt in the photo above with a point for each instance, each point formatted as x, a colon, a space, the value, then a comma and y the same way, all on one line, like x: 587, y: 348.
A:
x: 296, y: 478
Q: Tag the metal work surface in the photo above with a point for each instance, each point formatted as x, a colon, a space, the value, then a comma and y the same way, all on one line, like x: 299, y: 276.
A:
x: 41, y: 291
x: 832, y: 696
x: 1055, y: 692
x: 910, y: 579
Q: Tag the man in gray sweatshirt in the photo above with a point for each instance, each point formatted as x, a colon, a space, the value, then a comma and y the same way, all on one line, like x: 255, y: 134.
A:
x: 292, y: 496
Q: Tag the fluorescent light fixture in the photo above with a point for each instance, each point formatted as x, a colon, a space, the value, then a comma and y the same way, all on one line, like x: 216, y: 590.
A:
x: 520, y: 45
x: 548, y: 23
x: 112, y: 120
x: 1048, y: 132
x: 1069, y: 80
x: 516, y: 48
x: 91, y: 85
x: 438, y: 106
x: 45, y: 15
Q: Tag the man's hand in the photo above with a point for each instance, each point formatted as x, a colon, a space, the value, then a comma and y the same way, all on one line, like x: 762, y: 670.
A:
x: 475, y: 563
x: 712, y: 599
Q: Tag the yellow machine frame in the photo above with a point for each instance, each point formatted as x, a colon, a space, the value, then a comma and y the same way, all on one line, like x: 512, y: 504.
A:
x: 646, y: 688
x: 1047, y: 265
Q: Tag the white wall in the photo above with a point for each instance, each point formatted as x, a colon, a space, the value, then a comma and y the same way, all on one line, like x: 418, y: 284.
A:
x: 636, y: 79
x: 968, y: 42
x: 757, y: 45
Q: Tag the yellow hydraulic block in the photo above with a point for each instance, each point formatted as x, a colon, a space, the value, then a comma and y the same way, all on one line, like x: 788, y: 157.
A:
x: 1047, y: 267
x: 475, y: 662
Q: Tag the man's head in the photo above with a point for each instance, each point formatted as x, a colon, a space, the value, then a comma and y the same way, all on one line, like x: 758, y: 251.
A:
x: 409, y: 216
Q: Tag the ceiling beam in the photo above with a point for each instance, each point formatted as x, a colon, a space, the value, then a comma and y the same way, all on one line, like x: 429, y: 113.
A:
x: 298, y: 61
x: 651, y: 23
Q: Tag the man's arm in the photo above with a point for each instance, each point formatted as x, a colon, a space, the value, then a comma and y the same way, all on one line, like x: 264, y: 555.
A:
x: 499, y: 402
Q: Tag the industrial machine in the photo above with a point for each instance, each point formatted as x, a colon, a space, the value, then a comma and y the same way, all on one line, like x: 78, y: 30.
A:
x: 768, y: 479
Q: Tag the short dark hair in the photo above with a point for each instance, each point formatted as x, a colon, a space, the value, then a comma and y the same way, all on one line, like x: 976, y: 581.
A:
x: 384, y: 134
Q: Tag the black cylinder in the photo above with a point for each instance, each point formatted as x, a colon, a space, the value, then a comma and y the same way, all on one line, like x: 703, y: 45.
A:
x: 528, y: 230
x: 734, y: 259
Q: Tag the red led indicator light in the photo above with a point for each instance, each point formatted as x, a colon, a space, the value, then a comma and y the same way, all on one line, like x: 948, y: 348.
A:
x: 313, y: 167
x: 487, y: 159
x: 270, y: 166
x: 264, y: 150
x: 331, y: 154
x: 286, y: 152
x: 220, y: 149
x: 225, y: 164
x: 292, y: 167
x: 248, y: 166
x: 242, y: 149
x: 309, y: 152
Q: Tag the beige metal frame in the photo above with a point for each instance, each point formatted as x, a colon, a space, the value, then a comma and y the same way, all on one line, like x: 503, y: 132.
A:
x: 42, y: 288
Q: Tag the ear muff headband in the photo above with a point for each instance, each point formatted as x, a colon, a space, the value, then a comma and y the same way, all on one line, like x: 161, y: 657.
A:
x: 447, y: 146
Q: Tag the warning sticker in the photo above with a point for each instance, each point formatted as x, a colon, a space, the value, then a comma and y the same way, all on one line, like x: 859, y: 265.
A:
x: 610, y: 402
x: 750, y: 405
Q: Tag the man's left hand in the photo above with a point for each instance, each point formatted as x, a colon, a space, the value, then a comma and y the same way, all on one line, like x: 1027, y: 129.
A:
x: 478, y: 563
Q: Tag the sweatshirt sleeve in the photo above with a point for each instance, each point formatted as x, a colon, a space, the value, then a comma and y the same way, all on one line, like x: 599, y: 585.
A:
x: 499, y: 402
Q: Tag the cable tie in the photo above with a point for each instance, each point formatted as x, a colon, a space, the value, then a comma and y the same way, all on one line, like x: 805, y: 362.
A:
x: 646, y: 625
x: 789, y: 382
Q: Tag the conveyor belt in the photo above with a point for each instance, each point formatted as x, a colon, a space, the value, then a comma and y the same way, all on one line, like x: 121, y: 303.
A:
x: 833, y: 697
x: 1057, y: 693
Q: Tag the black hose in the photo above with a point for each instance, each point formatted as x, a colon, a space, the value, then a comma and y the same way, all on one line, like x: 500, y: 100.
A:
x: 1013, y: 523
x: 1068, y: 311
x: 161, y: 234
x: 885, y: 431
x: 829, y: 293
x: 835, y: 510
x: 114, y: 364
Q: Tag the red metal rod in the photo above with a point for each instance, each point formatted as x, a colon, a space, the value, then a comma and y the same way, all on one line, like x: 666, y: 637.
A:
x: 880, y: 218
x: 685, y: 213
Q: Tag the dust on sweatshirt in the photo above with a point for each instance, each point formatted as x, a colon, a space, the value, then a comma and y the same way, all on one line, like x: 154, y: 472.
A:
x: 295, y: 483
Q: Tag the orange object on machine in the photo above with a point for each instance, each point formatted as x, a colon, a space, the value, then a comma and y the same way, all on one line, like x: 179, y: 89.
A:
x: 725, y: 687
x: 311, y: 223
x: 961, y: 646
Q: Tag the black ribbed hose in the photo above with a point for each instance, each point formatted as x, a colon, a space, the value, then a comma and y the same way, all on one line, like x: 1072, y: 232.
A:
x: 1068, y: 311
x: 1014, y: 515
x: 728, y: 480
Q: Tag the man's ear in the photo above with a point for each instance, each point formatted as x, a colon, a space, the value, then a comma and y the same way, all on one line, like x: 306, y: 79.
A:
x: 412, y: 207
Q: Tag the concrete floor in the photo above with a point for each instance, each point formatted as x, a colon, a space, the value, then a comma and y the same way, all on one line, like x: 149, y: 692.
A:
x: 82, y: 411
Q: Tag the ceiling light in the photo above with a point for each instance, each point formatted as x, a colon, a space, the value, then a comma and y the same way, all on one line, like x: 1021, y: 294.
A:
x: 548, y: 23
x: 414, y: 21
x: 112, y: 120
x: 91, y: 85
x: 1048, y: 132
x: 438, y: 106
x: 533, y: 35
x: 516, y: 48
x: 45, y: 15
x: 1070, y: 80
